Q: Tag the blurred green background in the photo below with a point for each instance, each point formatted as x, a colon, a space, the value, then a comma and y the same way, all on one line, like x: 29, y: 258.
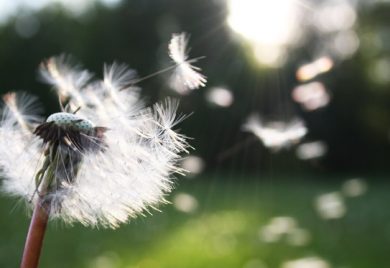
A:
x: 244, y: 205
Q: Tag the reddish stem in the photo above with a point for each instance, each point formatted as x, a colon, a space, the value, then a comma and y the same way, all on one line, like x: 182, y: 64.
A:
x: 36, y: 233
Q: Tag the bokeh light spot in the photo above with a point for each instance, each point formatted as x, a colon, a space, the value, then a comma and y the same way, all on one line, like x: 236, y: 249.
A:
x: 311, y: 96
x: 311, y: 70
x: 220, y: 96
x: 354, y: 187
x: 311, y: 150
x: 185, y: 202
x: 330, y: 206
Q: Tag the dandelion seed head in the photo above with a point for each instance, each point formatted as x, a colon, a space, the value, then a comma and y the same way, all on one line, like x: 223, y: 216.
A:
x: 112, y: 161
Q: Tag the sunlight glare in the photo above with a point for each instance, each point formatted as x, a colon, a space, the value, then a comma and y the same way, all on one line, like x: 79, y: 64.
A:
x: 268, y: 25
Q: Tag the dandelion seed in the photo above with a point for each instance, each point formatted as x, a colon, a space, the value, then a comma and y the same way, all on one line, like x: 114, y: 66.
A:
x: 21, y: 109
x: 66, y: 77
x: 276, y: 135
x: 185, y: 76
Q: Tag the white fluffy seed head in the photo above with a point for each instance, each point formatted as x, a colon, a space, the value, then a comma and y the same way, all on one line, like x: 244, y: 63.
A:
x: 130, y: 176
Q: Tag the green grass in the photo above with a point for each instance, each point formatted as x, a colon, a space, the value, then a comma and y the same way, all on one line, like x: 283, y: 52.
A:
x: 222, y: 232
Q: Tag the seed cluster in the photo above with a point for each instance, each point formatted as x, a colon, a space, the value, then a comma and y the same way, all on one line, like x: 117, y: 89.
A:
x: 74, y: 121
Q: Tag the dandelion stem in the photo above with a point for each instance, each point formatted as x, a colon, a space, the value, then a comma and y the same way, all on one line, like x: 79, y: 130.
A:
x: 35, y: 236
x: 39, y: 219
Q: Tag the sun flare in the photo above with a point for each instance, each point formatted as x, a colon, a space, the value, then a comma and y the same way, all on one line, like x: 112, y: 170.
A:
x: 269, y: 26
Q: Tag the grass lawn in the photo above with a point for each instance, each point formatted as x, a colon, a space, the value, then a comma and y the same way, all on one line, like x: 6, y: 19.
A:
x: 229, y: 229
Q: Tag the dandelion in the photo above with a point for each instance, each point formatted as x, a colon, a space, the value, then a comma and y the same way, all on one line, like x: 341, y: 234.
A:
x: 276, y: 135
x: 185, y: 76
x: 101, y: 161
